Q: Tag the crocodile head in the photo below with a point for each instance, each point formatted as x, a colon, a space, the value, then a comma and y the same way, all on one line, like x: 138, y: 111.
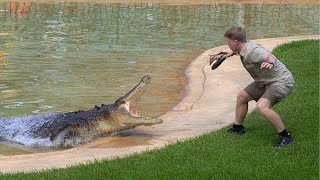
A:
x: 126, y: 106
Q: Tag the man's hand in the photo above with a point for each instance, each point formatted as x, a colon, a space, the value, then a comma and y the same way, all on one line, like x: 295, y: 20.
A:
x: 267, y: 65
x: 229, y: 52
x: 269, y: 62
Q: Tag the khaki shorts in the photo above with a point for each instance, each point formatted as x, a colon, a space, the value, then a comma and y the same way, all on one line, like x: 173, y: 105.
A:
x: 273, y: 92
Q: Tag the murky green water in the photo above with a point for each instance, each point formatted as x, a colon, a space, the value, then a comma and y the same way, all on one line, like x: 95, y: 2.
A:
x: 68, y: 56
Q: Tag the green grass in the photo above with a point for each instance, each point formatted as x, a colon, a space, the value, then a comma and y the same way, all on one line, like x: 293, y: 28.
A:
x: 218, y: 155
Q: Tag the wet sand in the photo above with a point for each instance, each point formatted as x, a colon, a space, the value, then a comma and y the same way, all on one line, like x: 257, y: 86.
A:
x: 207, y: 106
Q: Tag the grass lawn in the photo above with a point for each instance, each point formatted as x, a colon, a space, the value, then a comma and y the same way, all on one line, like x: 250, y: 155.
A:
x: 218, y: 155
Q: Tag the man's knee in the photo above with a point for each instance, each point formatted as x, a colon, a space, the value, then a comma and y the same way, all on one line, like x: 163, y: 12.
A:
x: 263, y: 105
x: 243, y: 97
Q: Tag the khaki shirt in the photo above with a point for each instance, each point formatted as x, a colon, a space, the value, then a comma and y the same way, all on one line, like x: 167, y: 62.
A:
x: 253, y: 55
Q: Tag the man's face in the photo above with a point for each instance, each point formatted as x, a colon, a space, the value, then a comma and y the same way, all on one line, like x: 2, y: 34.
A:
x: 233, y: 45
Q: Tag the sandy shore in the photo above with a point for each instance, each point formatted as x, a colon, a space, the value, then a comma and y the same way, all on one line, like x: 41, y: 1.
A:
x: 208, y: 105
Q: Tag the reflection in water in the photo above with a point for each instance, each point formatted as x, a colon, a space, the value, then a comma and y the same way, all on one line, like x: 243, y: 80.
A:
x: 67, y: 56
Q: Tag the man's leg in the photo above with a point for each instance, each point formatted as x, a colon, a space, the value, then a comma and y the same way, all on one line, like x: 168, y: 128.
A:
x: 241, y: 111
x: 241, y: 107
x: 264, y: 107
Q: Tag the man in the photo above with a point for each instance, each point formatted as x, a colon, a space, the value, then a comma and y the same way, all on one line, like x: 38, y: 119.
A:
x: 272, y: 82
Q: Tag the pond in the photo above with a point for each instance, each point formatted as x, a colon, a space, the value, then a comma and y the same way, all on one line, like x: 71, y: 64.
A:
x: 58, y: 57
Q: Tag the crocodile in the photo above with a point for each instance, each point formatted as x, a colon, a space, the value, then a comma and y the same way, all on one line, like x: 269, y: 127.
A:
x: 79, y: 127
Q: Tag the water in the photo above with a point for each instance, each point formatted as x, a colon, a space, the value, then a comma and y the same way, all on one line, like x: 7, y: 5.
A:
x: 18, y: 129
x: 57, y: 57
